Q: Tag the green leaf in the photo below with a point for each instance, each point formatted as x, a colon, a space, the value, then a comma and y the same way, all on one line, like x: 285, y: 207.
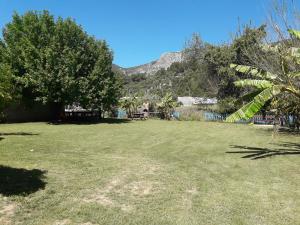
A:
x: 249, y: 96
x: 253, y: 71
x: 260, y: 84
x: 250, y: 109
x: 294, y: 33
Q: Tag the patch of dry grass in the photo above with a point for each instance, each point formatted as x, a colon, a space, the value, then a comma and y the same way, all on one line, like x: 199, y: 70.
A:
x: 7, y: 211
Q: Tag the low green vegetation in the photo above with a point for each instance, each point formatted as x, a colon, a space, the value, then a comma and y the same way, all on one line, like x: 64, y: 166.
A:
x: 148, y: 172
x: 166, y: 106
x: 130, y: 105
x: 192, y: 113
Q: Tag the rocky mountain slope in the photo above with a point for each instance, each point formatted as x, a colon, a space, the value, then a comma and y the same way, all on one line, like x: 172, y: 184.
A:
x: 164, y: 62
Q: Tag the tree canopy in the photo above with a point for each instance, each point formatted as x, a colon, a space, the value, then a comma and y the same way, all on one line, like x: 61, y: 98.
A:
x: 56, y: 61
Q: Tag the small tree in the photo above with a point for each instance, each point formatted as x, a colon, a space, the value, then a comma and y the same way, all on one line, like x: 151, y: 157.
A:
x: 130, y: 104
x: 166, y: 106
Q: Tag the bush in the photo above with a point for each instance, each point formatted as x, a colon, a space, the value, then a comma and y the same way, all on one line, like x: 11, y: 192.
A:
x: 192, y: 113
x: 226, y: 105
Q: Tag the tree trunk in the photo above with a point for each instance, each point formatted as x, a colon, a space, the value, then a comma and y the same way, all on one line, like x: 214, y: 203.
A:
x: 58, y: 111
x: 100, y: 114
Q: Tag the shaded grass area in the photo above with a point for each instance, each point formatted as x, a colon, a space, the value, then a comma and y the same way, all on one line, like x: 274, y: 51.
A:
x: 15, y: 181
x: 148, y: 172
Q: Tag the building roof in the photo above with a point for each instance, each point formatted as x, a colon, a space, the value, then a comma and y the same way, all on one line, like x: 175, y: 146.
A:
x: 189, y: 101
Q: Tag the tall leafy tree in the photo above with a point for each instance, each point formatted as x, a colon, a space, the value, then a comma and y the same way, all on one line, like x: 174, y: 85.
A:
x: 101, y: 88
x: 243, y: 49
x: 54, y: 61
x: 6, y: 86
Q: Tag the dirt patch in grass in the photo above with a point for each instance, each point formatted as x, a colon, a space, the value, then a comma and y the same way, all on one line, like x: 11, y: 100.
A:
x: 87, y: 223
x: 188, y: 198
x: 62, y: 222
x: 100, y: 198
x: 140, y: 188
x: 129, y: 187
x: 6, y: 213
x: 114, y: 193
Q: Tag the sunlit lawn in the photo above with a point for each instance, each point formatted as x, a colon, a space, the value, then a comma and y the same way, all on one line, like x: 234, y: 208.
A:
x: 148, y: 172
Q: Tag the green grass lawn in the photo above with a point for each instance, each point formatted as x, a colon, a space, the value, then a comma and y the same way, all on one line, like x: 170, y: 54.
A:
x: 148, y: 172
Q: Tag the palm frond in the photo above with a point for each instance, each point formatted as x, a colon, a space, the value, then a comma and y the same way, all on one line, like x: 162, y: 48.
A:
x: 253, y: 71
x: 247, y: 97
x: 294, y: 75
x: 294, y: 33
x: 250, y: 109
x: 260, y: 84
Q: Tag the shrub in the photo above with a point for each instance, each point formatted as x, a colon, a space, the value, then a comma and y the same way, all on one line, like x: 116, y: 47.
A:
x: 192, y: 113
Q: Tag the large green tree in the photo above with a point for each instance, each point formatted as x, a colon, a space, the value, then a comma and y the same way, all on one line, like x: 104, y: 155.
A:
x: 54, y: 61
x: 241, y: 51
x: 101, y: 88
x: 6, y: 86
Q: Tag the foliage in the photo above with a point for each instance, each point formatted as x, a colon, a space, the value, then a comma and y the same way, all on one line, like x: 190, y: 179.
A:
x: 101, y: 88
x: 289, y: 108
x: 55, y: 61
x: 219, y: 58
x: 192, y: 113
x: 167, y: 106
x: 226, y: 105
x: 284, y: 82
x: 130, y: 104
x: 6, y: 87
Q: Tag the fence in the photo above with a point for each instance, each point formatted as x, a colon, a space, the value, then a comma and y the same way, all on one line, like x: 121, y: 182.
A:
x: 260, y: 119
x: 210, y: 116
x: 121, y: 114
x: 257, y: 119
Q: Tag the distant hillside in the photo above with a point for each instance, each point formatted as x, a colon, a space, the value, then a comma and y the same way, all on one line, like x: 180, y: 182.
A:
x: 164, y: 62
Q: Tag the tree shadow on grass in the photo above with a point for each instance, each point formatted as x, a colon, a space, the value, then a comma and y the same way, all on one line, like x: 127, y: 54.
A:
x: 87, y: 122
x: 288, y: 131
x: 282, y: 130
x: 253, y: 153
x: 18, y: 181
x: 17, y: 134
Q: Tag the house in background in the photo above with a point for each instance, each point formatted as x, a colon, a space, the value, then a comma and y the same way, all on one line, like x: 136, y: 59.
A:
x: 191, y: 101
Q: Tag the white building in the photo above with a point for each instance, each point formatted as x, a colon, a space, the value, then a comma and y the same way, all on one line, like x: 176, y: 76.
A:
x: 190, y: 101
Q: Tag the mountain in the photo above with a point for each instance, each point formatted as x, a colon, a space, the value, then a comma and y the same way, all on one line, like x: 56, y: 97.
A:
x: 164, y: 62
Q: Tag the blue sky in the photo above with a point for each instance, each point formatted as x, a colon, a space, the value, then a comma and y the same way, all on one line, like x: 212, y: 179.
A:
x: 139, y: 31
